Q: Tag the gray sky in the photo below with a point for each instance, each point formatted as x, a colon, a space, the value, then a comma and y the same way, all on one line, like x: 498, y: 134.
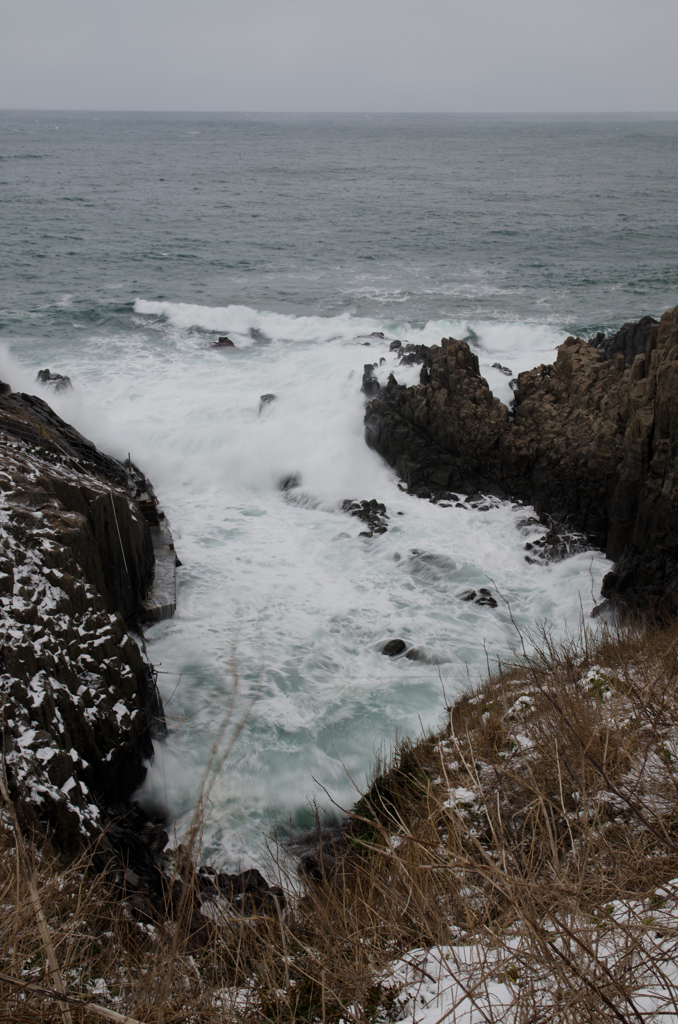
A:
x: 340, y: 55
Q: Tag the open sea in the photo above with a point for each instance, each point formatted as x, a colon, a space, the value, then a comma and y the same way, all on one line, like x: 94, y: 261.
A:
x: 130, y: 242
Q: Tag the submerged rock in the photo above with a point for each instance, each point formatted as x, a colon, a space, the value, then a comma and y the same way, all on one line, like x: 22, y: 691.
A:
x: 57, y: 381
x: 393, y: 647
x: 372, y: 513
x: 482, y: 597
x: 266, y: 400
x: 223, y: 343
x: 288, y: 483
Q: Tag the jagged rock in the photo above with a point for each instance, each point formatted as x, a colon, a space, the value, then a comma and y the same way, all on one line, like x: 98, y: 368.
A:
x: 370, y: 386
x: 411, y: 354
x: 442, y: 435
x: 372, y: 513
x: 80, y: 703
x: 57, y: 381
x: 482, y: 597
x: 288, y: 483
x: 502, y: 369
x: 593, y: 442
x: 223, y: 343
x: 631, y: 340
x: 265, y: 400
x: 393, y: 647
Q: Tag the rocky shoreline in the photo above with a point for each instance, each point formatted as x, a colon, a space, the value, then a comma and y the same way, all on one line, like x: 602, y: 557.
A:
x: 591, y: 440
x: 80, y: 707
x: 86, y: 557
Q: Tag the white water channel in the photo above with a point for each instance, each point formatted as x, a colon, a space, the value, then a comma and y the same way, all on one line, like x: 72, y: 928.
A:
x: 284, y: 594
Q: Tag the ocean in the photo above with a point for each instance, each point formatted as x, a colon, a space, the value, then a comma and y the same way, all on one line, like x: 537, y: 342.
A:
x: 130, y: 242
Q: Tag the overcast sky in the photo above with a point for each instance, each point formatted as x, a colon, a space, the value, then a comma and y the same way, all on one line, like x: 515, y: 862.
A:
x: 340, y: 55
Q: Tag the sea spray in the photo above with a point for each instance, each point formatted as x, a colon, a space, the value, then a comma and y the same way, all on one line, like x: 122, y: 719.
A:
x: 278, y: 588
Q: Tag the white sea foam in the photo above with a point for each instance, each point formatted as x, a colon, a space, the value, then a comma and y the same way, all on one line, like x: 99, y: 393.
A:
x: 285, y: 594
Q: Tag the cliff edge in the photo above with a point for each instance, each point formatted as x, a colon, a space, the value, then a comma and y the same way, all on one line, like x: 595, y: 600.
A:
x: 593, y: 440
x: 79, y: 702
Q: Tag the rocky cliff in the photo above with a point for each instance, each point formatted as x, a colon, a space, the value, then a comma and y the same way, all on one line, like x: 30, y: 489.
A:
x: 591, y: 439
x: 79, y: 702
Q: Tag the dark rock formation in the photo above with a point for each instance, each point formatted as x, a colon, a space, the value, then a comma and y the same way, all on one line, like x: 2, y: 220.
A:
x: 631, y: 339
x: 57, y: 381
x: 480, y: 597
x: 265, y: 400
x: 372, y: 513
x: 223, y: 343
x: 393, y: 647
x: 413, y: 354
x: 593, y: 442
x: 370, y: 386
x: 80, y: 705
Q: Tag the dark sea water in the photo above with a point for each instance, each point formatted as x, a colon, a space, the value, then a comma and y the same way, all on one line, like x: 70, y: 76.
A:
x: 130, y: 241
x: 565, y: 220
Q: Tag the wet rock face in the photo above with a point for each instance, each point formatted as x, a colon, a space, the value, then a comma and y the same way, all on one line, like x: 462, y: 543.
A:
x: 373, y: 513
x: 80, y: 704
x: 393, y: 647
x: 442, y: 435
x: 57, y: 381
x: 593, y: 441
x: 631, y: 340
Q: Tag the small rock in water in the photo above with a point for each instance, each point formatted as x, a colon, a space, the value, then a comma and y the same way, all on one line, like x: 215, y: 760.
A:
x: 265, y: 400
x: 503, y: 369
x: 55, y: 380
x: 288, y: 482
x: 393, y: 647
x: 483, y: 597
x: 372, y: 513
x: 414, y: 654
x: 223, y: 343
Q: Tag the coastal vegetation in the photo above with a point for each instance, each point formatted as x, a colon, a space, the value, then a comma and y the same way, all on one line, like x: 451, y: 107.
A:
x: 521, y: 862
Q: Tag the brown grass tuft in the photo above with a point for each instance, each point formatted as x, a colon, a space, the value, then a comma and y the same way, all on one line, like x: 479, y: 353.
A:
x: 533, y: 842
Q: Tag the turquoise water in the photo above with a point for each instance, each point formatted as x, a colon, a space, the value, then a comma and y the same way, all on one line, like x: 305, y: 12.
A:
x: 130, y: 241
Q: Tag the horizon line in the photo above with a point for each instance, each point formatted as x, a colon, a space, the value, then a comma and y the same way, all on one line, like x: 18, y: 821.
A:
x: 315, y: 113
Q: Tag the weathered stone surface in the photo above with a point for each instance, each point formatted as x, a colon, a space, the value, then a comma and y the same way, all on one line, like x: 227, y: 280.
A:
x: 631, y: 340
x: 373, y: 513
x: 593, y: 441
x: 57, y: 381
x: 80, y: 703
x: 393, y: 647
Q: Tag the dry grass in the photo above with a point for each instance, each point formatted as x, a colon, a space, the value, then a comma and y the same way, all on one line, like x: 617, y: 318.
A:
x: 528, y: 843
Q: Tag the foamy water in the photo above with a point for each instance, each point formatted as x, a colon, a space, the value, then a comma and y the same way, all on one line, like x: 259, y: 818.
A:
x: 130, y: 241
x: 283, y: 607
